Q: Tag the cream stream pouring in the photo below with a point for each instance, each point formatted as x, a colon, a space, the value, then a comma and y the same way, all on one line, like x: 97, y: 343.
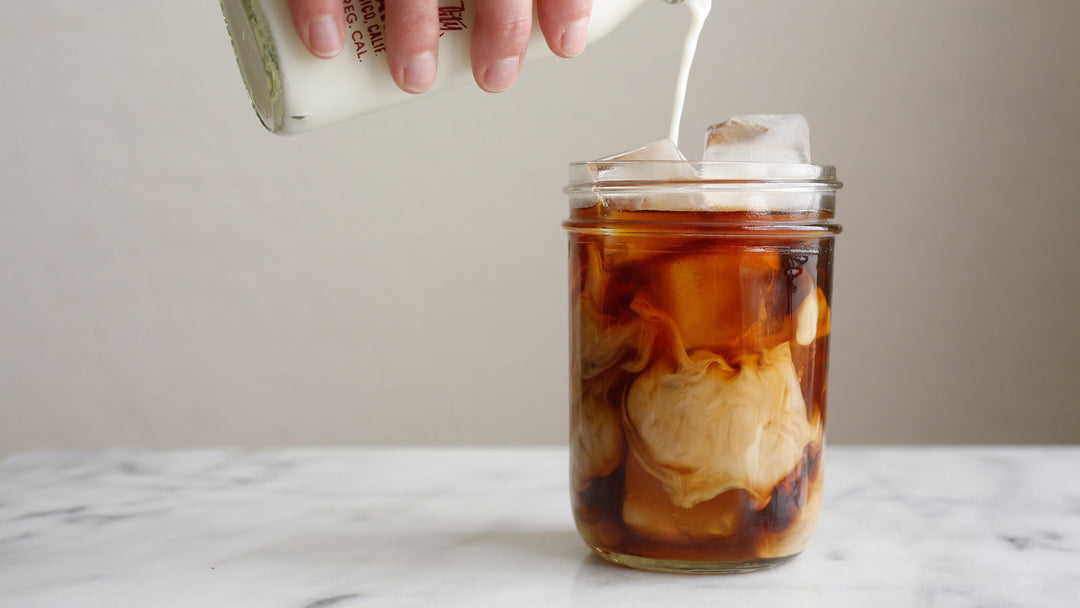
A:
x: 294, y: 92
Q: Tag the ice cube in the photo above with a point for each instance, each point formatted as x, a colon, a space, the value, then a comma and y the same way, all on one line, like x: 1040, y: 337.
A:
x: 647, y: 509
x: 595, y: 431
x: 729, y: 291
x: 661, y: 149
x: 768, y: 138
x: 672, y: 166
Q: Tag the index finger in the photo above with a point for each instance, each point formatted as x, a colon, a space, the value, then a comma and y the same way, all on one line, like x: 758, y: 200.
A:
x: 565, y: 24
x: 320, y: 25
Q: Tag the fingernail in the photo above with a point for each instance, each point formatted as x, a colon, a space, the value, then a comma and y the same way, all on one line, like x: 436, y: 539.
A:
x: 324, y: 37
x: 420, y: 72
x: 574, y: 37
x: 501, y: 74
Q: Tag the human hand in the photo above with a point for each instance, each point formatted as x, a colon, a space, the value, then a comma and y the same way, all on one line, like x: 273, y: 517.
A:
x: 500, y: 35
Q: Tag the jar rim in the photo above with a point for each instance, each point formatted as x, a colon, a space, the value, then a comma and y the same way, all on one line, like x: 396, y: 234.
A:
x: 673, y: 185
x: 590, y: 175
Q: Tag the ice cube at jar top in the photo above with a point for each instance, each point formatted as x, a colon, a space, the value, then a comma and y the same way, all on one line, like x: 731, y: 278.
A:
x: 762, y: 147
x: 670, y: 166
x: 661, y: 149
x: 764, y: 138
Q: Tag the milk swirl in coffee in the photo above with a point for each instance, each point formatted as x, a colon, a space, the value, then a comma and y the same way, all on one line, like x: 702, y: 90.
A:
x: 700, y: 320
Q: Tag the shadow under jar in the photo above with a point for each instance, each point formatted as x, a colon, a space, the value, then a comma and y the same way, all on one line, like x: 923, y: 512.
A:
x: 700, y: 303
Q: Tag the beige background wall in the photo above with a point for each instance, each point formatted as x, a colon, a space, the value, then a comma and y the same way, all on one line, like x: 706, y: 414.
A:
x: 172, y: 275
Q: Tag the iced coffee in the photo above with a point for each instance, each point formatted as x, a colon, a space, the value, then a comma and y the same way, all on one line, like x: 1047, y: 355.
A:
x: 700, y: 299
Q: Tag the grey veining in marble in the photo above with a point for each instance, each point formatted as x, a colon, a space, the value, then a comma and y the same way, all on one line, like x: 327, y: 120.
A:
x: 491, y: 527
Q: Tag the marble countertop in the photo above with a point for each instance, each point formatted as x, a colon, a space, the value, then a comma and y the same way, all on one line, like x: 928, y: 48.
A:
x: 315, y: 528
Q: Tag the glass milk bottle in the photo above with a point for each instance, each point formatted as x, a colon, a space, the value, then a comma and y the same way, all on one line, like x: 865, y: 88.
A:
x: 294, y: 92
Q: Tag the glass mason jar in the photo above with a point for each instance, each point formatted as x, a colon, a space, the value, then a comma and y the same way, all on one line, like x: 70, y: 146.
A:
x: 700, y: 299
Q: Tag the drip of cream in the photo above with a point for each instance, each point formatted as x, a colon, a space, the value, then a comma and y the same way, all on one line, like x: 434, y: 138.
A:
x: 699, y: 10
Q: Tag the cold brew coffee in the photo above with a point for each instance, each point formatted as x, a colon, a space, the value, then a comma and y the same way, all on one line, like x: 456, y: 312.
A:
x: 700, y: 303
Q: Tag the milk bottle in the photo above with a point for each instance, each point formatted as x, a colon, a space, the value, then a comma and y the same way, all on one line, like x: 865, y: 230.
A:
x: 294, y: 92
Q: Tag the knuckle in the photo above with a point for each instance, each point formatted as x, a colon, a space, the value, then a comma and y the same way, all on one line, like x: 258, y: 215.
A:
x: 517, y: 28
x: 418, y: 26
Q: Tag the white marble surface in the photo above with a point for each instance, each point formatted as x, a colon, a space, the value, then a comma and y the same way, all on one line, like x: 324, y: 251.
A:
x: 491, y: 527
